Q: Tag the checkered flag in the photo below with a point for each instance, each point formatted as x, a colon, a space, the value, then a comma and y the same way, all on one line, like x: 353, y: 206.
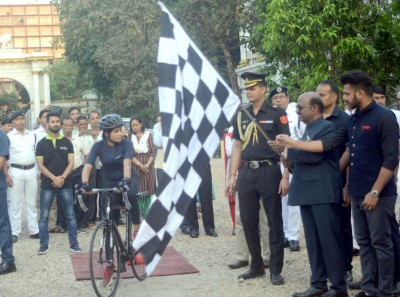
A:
x: 196, y: 106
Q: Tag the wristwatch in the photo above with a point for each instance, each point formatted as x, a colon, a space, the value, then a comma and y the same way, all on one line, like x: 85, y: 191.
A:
x: 374, y: 193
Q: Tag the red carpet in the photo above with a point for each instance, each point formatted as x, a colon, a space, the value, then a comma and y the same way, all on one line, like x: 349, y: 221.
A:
x: 171, y: 263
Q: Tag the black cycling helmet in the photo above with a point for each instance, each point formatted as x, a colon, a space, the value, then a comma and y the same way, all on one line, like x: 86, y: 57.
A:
x: 111, y: 121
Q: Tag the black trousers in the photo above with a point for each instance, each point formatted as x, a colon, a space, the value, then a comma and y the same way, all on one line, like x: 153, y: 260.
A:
x: 346, y: 236
x: 322, y: 232
x: 207, y: 210
x: 395, y: 235
x: 255, y: 184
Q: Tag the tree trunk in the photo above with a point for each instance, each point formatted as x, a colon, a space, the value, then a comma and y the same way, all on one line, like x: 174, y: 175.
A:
x: 231, y: 68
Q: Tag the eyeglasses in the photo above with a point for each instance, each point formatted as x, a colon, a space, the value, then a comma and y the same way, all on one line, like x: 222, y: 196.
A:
x: 300, y: 107
x: 278, y: 97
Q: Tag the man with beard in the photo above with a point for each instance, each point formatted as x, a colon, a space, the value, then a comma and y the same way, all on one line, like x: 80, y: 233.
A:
x: 55, y: 159
x: 372, y: 153
x: 329, y: 93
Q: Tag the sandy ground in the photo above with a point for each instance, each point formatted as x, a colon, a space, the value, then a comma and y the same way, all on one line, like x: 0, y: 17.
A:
x: 52, y: 274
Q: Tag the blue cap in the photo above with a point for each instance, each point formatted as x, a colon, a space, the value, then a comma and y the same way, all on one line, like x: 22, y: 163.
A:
x: 17, y: 114
x: 277, y: 90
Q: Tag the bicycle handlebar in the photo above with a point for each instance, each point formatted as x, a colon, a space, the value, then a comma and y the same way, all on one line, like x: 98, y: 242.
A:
x: 128, y: 205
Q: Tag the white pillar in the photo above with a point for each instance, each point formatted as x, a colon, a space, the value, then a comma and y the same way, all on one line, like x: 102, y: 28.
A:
x: 46, y: 88
x: 36, y: 94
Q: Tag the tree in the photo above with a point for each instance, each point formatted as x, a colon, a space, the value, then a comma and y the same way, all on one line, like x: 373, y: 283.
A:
x: 23, y: 94
x: 294, y: 36
x: 64, y: 81
x: 8, y: 103
x: 214, y: 25
x: 115, y: 45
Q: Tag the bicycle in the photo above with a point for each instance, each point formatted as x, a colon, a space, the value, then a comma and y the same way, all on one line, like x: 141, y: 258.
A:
x: 108, y: 251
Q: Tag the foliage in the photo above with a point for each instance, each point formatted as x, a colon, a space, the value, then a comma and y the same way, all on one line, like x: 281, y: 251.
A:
x: 215, y: 30
x: 115, y: 45
x: 294, y: 36
x: 64, y: 81
x: 9, y: 102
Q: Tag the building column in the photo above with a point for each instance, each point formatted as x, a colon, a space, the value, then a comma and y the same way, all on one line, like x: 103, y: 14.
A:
x: 36, y: 94
x: 46, y: 89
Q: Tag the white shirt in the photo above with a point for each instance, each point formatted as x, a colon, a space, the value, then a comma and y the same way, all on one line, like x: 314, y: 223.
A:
x: 22, y: 147
x: 78, y: 150
x: 296, y: 126
x: 40, y: 133
x: 87, y: 143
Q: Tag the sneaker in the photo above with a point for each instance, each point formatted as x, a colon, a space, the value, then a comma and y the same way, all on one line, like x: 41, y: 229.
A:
x: 75, y: 248
x: 44, y: 248
x: 83, y: 230
x: 34, y: 236
x: 107, y: 275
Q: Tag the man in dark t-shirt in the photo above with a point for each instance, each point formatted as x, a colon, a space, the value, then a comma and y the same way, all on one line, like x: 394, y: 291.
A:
x: 55, y: 159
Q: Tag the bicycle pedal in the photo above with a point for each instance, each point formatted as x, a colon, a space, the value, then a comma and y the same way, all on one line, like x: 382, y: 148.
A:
x: 139, y: 260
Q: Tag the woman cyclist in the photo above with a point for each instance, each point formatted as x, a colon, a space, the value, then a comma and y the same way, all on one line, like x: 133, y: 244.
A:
x: 115, y: 153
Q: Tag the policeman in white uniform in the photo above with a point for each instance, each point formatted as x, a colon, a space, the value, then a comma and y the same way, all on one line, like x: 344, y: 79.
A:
x: 290, y: 214
x: 22, y: 172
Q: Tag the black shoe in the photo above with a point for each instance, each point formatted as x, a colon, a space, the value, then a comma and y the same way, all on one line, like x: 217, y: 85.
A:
x: 276, y: 279
x: 356, y: 252
x: 362, y: 294
x: 185, y: 230
x: 120, y: 223
x: 252, y: 273
x: 7, y: 268
x: 238, y: 264
x: 348, y: 277
x: 285, y: 243
x: 266, y: 263
x: 34, y: 236
x: 311, y: 292
x: 333, y: 293
x: 354, y: 286
x: 294, y: 245
x: 211, y: 232
x: 194, y: 233
x: 15, y: 238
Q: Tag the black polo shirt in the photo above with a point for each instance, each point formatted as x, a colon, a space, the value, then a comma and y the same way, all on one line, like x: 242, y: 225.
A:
x: 273, y: 120
x: 54, y: 153
x: 340, y: 119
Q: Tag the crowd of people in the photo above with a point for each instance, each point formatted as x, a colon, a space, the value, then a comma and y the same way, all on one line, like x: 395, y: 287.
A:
x: 43, y: 168
x: 290, y: 164
x: 333, y: 170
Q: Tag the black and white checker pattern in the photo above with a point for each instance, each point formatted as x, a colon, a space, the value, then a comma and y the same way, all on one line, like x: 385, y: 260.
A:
x: 196, y: 106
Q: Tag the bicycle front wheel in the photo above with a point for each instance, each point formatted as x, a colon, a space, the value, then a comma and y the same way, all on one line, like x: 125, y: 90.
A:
x: 104, y: 261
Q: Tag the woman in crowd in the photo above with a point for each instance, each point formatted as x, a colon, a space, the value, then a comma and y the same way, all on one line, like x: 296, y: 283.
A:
x: 143, y: 159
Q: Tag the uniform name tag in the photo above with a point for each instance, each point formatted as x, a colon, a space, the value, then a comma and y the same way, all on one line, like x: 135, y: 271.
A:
x: 266, y: 122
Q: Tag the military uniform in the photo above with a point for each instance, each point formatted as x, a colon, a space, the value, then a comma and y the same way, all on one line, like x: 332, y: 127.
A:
x: 259, y: 177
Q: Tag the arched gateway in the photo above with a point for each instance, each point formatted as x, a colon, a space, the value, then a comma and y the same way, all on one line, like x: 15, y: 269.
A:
x: 31, y: 70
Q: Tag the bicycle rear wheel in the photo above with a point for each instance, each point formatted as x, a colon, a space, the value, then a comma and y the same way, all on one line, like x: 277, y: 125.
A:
x: 104, y: 261
x: 138, y: 265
